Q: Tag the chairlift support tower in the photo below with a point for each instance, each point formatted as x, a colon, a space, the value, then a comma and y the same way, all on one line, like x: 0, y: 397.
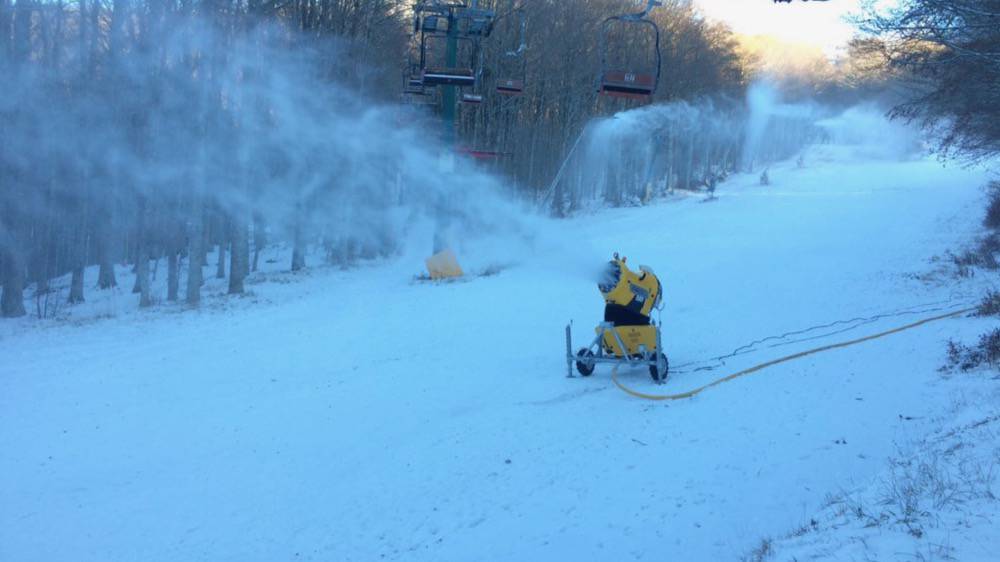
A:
x: 477, y: 24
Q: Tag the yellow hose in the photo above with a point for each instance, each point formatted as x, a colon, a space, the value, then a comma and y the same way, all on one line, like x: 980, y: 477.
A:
x: 762, y: 366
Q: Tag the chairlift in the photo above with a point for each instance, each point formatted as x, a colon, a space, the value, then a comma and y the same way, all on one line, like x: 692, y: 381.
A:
x: 629, y: 83
x: 413, y: 80
x: 430, y: 17
x: 475, y: 22
x: 510, y: 87
x: 448, y: 76
x: 435, y: 17
x: 475, y: 96
x: 512, y: 83
x: 431, y: 24
x: 414, y: 92
x: 443, y: 75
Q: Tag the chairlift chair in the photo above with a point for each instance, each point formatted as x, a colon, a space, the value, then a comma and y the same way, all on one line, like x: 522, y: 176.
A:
x: 475, y: 95
x: 629, y: 83
x: 475, y: 22
x: 470, y: 98
x: 449, y: 76
x: 463, y: 76
x: 434, y: 24
x: 413, y: 80
x: 512, y: 83
x: 510, y: 86
x: 434, y: 16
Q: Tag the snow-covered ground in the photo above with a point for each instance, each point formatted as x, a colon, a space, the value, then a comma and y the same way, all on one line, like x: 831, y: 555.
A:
x: 359, y: 415
x: 936, y: 498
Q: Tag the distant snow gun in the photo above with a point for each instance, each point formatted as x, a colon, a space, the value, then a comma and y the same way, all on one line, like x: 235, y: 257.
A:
x: 443, y: 265
x: 627, y: 336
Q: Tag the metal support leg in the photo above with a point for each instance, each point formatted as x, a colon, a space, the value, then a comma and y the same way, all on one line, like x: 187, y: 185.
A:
x: 661, y: 366
x: 569, y: 351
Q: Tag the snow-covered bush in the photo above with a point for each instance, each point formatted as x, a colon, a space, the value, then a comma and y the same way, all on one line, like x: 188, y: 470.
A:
x: 966, y: 358
x: 762, y: 552
x: 990, y: 305
x: 983, y: 255
x: 992, y: 218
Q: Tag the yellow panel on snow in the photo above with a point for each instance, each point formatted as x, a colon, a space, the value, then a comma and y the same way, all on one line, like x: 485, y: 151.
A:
x: 443, y: 265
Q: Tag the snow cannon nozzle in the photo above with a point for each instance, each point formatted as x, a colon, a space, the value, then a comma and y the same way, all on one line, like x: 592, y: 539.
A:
x: 622, y: 287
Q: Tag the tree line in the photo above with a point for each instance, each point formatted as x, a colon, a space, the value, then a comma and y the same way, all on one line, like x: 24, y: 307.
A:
x: 133, y: 130
x: 139, y: 130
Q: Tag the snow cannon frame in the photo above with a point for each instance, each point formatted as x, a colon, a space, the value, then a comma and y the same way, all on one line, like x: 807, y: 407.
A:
x: 587, y: 358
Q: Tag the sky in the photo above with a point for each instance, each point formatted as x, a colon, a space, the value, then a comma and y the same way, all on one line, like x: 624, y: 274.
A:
x: 816, y: 23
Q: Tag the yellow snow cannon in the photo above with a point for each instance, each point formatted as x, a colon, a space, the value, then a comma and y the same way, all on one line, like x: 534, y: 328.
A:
x: 627, y: 335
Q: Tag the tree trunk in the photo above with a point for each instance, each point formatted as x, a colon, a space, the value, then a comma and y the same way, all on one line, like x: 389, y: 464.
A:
x: 6, y: 17
x: 172, y: 274
x: 136, y: 287
x: 220, y: 266
x: 259, y: 238
x: 240, y: 253
x: 41, y: 283
x: 12, y: 301
x: 298, y: 245
x: 21, y: 43
x: 196, y: 257
x: 142, y: 258
x: 106, y: 275
x: 76, y: 286
x: 142, y: 277
x: 78, y: 257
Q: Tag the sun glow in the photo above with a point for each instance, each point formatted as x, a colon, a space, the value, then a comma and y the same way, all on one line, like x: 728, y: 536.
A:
x: 817, y: 24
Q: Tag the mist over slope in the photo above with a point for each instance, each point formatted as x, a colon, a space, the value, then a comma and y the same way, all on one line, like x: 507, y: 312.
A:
x: 257, y: 134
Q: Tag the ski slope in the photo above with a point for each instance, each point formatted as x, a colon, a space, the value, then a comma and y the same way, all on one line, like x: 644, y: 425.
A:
x: 359, y: 415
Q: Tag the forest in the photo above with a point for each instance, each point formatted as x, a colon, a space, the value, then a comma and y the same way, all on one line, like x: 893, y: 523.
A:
x: 148, y: 132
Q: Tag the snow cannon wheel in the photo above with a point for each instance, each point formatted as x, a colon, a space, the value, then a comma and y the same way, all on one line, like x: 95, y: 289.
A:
x: 585, y: 366
x: 654, y: 372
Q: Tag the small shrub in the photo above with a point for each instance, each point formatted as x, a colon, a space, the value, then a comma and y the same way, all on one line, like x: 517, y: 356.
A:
x: 987, y: 260
x: 989, y: 347
x: 961, y: 357
x: 990, y: 305
x: 990, y: 243
x: 992, y: 219
x: 983, y: 255
x: 966, y: 358
x: 763, y: 552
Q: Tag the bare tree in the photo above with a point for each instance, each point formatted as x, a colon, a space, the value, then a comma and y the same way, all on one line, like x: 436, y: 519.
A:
x: 948, y: 53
